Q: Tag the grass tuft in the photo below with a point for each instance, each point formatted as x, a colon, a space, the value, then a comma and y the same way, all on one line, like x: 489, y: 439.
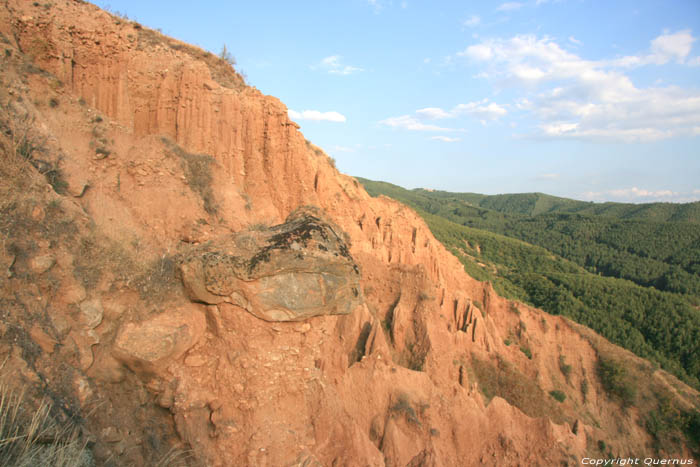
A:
x: 33, y: 437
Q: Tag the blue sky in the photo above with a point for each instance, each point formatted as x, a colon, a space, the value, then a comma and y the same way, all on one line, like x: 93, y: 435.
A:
x: 584, y: 99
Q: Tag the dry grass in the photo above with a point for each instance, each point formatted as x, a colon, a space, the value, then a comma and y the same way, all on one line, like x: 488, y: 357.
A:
x: 33, y: 437
x: 502, y: 379
x: 221, y: 67
x: 22, y: 148
x: 197, y: 168
x: 175, y: 458
x: 96, y: 254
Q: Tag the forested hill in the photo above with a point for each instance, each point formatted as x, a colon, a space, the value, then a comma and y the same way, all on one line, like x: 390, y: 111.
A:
x: 637, y: 245
x: 532, y: 204
x: 554, y: 253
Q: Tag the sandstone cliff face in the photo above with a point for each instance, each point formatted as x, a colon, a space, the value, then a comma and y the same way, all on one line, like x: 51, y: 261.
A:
x: 169, y: 159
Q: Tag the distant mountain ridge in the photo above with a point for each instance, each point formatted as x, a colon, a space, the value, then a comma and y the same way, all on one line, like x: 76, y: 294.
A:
x: 533, y: 204
x: 654, y: 245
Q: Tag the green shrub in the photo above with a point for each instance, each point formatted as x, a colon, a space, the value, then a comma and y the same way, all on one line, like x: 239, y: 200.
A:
x: 526, y: 351
x: 692, y: 427
x: 616, y: 381
x: 558, y: 395
x: 584, y: 389
x: 564, y: 367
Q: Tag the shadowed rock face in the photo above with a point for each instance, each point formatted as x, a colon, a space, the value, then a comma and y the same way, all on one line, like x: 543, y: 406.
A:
x: 289, y: 272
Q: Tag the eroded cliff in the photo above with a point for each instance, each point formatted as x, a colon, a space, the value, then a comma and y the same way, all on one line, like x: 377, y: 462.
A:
x: 130, y: 295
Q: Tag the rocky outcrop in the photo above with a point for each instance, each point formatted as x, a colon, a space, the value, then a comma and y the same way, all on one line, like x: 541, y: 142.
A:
x: 150, y: 346
x: 289, y: 272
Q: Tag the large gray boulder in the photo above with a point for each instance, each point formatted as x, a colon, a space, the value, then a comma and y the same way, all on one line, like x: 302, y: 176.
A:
x: 288, y: 272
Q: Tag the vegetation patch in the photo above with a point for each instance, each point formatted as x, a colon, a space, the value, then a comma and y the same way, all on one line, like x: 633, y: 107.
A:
x: 526, y: 351
x: 584, y: 389
x: 157, y: 280
x: 501, y: 379
x: 33, y: 437
x: 616, y: 381
x: 564, y: 367
x: 25, y: 147
x: 198, y: 173
x: 667, y: 423
x: 558, y: 395
x: 403, y: 408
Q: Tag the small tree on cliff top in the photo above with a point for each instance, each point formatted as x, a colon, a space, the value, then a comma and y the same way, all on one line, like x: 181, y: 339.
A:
x: 227, y: 56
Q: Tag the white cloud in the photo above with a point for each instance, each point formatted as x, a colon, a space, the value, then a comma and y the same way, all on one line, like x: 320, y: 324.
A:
x: 407, y: 122
x: 477, y: 52
x: 333, y: 65
x: 672, y: 46
x: 376, y: 5
x: 662, y: 50
x: 573, y: 40
x: 472, y: 21
x: 635, y: 192
x: 642, y: 195
x: 338, y: 148
x: 592, y: 100
x: 481, y: 109
x: 548, y: 176
x: 433, y: 113
x: 445, y: 139
x: 527, y: 73
x: 509, y: 6
x: 315, y: 115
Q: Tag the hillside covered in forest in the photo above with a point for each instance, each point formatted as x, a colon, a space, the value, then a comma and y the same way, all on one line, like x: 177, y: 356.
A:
x: 630, y: 272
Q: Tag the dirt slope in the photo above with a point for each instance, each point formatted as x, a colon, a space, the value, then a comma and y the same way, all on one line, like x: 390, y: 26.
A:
x: 153, y: 148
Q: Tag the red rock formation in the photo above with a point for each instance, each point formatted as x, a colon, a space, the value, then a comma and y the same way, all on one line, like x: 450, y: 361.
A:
x: 164, y: 146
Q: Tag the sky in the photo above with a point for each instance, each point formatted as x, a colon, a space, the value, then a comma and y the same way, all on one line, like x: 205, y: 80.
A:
x: 585, y: 99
